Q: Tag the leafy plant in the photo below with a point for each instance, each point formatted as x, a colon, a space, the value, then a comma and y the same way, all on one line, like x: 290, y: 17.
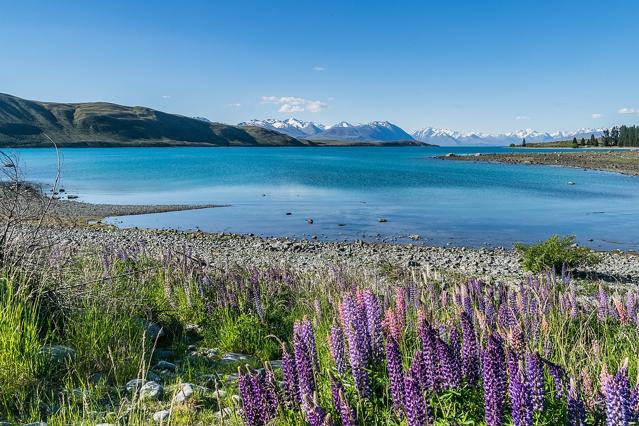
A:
x: 554, y: 253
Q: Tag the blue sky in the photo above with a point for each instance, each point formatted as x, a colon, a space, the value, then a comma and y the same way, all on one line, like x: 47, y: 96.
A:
x: 466, y: 65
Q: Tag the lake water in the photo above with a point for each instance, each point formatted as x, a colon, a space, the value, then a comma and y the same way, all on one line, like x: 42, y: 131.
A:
x: 346, y: 191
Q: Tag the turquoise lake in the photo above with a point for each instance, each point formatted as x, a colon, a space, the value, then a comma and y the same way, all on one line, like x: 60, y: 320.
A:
x: 346, y: 190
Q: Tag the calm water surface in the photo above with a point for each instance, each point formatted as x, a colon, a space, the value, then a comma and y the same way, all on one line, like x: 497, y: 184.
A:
x: 346, y: 191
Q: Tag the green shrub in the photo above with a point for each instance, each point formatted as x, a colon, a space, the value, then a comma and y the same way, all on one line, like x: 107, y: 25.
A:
x: 554, y: 253
x: 20, y: 344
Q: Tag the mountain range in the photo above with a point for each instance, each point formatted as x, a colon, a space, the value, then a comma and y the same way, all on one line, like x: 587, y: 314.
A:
x: 25, y: 123
x: 376, y: 131
x: 387, y: 132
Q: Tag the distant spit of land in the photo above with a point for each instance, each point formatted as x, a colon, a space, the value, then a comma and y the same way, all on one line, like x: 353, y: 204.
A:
x: 626, y: 162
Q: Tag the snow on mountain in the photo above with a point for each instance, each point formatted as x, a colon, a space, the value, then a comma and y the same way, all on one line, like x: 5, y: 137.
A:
x: 373, y: 131
x: 447, y: 137
x: 292, y: 126
x: 386, y: 131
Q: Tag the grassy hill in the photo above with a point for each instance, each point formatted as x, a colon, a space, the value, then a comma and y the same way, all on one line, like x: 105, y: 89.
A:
x: 24, y: 123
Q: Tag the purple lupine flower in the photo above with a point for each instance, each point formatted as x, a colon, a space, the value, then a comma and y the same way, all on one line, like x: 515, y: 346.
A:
x: 303, y: 361
x: 535, y: 377
x: 289, y: 378
x: 346, y: 413
x: 454, y: 343
x: 357, y: 358
x: 469, y: 352
x: 558, y: 375
x: 617, y: 393
x: 576, y: 411
x: 314, y: 414
x: 259, y: 403
x: 467, y: 305
x: 309, y: 337
x: 519, y: 392
x: 336, y: 348
x: 449, y: 371
x: 494, y: 375
x: 429, y: 362
x: 400, y: 306
x: 250, y: 404
x: 269, y: 384
x: 602, y: 304
x: 417, y: 411
x: 631, y: 305
x: 373, y: 312
x: 633, y: 404
x: 395, y: 373
x: 515, y: 387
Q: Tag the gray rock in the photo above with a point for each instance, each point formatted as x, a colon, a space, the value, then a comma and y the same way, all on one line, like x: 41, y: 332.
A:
x: 220, y: 393
x: 151, y: 390
x: 223, y: 413
x: 161, y: 415
x: 133, y: 385
x: 165, y: 366
x: 184, y: 393
x: 233, y: 358
x: 36, y: 424
x: 164, y: 354
x: 153, y: 330
x: 276, y: 364
x: 151, y: 376
x: 58, y: 353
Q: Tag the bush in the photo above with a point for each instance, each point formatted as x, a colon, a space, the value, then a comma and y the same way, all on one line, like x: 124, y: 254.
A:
x: 554, y: 253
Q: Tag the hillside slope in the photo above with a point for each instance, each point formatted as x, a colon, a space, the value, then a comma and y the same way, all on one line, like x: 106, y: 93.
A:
x: 24, y: 123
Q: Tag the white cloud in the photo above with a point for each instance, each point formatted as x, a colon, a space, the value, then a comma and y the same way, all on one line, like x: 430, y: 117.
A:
x: 166, y: 96
x: 597, y: 116
x: 319, y: 68
x: 290, y: 104
x: 628, y: 111
x: 234, y: 105
x: 291, y: 108
x: 522, y: 117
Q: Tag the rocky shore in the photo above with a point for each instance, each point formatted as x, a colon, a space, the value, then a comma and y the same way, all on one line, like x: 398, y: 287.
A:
x: 625, y: 162
x: 223, y: 249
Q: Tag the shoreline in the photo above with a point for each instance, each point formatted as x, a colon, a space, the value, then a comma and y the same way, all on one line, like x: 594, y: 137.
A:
x: 623, y: 162
x: 491, y: 264
x: 87, y: 212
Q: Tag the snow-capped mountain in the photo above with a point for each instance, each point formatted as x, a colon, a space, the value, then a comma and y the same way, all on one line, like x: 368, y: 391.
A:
x: 447, y: 137
x: 386, y: 131
x: 291, y: 126
x: 373, y: 131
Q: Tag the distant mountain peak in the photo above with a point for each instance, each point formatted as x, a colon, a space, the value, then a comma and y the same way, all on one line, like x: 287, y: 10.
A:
x: 446, y: 137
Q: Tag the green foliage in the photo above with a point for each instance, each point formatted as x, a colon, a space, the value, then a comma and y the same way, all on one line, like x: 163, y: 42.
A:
x: 244, y: 333
x: 554, y: 253
x: 20, y: 343
x: 107, y: 342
